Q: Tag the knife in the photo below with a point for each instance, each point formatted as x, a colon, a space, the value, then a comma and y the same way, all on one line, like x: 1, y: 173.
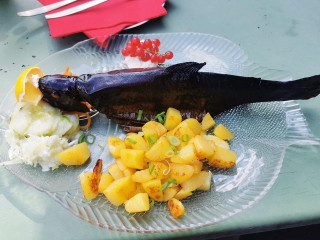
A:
x: 45, y: 9
x: 75, y: 9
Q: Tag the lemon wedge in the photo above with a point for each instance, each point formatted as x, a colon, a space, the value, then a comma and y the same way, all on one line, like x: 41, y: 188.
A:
x: 25, y: 90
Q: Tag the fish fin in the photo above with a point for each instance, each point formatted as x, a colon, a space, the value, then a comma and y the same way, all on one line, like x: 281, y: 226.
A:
x: 186, y: 67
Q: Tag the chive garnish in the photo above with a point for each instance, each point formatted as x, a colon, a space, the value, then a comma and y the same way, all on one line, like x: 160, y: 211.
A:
x: 131, y: 140
x: 167, y: 183
x: 81, y: 139
x: 160, y: 117
x: 174, y: 149
x: 174, y: 140
x: 152, y: 203
x: 92, y: 137
x: 100, y: 146
x: 26, y: 136
x: 151, y: 140
x: 139, y: 115
x: 185, y: 138
x: 151, y: 168
x: 169, y: 153
x: 86, y: 138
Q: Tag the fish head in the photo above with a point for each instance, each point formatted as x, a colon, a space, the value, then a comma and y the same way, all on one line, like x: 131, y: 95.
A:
x: 60, y: 91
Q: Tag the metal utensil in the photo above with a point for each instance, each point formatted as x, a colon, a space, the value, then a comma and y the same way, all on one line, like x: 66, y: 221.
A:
x: 45, y: 9
x: 76, y: 9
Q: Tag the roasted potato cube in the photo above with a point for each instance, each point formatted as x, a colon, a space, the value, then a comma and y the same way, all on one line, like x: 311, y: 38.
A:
x: 182, y: 130
x: 203, y: 147
x: 160, y: 170
x: 186, y: 155
x: 176, y: 208
x: 129, y: 172
x: 207, y: 122
x: 197, y: 166
x: 132, y: 158
x: 120, y: 190
x: 207, y: 182
x: 173, y: 118
x: 120, y: 164
x: 158, y: 151
x: 115, y: 171
x: 115, y: 145
x: 142, y: 176
x: 182, y: 194
x: 222, y: 132
x: 170, y: 192
x: 153, y: 188
x: 75, y: 155
x: 135, y: 141
x: 217, y: 141
x: 138, y: 203
x: 193, y: 124
x: 89, y: 184
x: 181, y: 172
x: 222, y: 158
x: 196, y: 181
x: 153, y: 128
x: 105, y: 181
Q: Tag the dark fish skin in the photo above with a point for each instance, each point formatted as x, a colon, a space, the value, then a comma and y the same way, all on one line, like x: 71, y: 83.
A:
x: 121, y: 94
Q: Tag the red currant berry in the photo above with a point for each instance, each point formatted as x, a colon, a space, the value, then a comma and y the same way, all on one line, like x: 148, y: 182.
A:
x: 139, y: 52
x: 135, y: 41
x: 154, y: 49
x: 169, y: 55
x: 145, y: 57
x: 147, y: 44
x: 156, y: 42
x: 129, y: 44
x: 161, y: 59
x: 125, y: 52
x: 132, y: 51
x: 154, y: 58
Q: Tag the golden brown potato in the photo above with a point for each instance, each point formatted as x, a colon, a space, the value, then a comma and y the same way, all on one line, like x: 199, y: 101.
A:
x: 75, y: 155
x: 176, y: 208
x: 222, y: 158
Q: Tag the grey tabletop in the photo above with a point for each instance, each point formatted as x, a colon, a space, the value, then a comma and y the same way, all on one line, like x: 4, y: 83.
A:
x: 275, y: 34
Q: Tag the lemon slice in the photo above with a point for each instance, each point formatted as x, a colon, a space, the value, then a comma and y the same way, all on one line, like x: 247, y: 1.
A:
x: 25, y: 90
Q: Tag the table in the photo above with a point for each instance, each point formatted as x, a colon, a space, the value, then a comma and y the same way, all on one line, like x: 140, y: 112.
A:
x: 276, y: 34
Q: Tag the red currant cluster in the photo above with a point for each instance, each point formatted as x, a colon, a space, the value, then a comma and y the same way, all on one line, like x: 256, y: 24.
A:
x: 146, y: 50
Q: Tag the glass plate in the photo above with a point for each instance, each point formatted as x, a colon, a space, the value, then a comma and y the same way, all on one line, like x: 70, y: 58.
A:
x: 262, y: 133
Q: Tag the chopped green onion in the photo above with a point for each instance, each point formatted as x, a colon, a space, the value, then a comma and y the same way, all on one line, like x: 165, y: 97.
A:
x: 152, y: 203
x: 174, y: 149
x: 82, y: 138
x: 55, y: 167
x: 185, y: 138
x: 174, y: 140
x: 167, y: 183
x: 151, y: 140
x: 26, y: 136
x: 100, y: 146
x: 169, y: 153
x: 85, y: 138
x: 131, y: 140
x: 161, y: 117
x: 151, y: 168
x: 139, y: 115
x: 93, y: 138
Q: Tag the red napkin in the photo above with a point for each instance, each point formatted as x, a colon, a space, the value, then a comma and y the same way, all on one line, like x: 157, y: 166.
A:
x: 104, y: 19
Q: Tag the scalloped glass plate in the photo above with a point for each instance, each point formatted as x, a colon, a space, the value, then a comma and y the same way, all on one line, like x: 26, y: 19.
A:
x: 262, y: 133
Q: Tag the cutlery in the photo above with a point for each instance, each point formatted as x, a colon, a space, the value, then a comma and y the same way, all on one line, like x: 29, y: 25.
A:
x: 45, y: 9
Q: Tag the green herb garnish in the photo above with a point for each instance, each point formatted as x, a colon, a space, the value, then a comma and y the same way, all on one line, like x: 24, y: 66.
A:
x: 151, y: 140
x: 151, y: 168
x: 65, y: 117
x: 26, y: 136
x: 174, y: 140
x: 100, y: 146
x: 131, y: 140
x: 169, y: 153
x: 185, y: 138
x: 167, y: 183
x: 174, y: 149
x: 55, y: 167
x: 139, y: 115
x: 86, y: 138
x: 161, y: 117
x: 151, y: 203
